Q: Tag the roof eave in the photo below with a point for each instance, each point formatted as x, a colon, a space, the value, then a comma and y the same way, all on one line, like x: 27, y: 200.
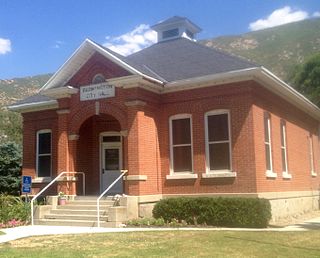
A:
x: 35, y: 106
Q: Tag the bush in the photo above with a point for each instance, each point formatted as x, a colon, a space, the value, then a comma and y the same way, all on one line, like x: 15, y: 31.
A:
x: 222, y: 212
x: 13, y: 210
x: 10, y: 168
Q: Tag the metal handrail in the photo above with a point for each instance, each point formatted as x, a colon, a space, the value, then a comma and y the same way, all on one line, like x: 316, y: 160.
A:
x: 53, y: 181
x: 105, y: 191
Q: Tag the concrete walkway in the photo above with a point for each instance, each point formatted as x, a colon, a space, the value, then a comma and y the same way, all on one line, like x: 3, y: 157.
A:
x: 27, y: 231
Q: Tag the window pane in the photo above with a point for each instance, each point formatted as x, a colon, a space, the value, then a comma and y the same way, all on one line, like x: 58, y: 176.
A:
x: 170, y: 33
x: 266, y: 128
x: 283, y: 157
x: 282, y: 131
x: 181, y: 131
x: 268, y: 160
x: 44, y: 143
x: 219, y: 156
x: 218, y: 127
x: 111, y: 157
x: 182, y: 159
x: 44, y: 166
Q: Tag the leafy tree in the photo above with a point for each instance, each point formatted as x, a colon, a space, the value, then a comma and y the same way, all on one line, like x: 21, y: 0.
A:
x: 10, y: 168
x: 10, y: 127
x: 306, y: 79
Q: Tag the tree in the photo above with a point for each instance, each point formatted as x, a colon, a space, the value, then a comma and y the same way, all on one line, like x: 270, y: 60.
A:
x: 10, y: 168
x: 306, y: 79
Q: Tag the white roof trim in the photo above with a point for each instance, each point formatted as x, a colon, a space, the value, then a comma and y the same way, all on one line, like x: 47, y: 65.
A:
x: 260, y: 74
x: 34, y: 106
x: 75, y: 62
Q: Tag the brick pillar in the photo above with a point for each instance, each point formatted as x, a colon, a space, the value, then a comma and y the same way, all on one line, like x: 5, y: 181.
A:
x: 143, y: 150
x: 62, y: 149
x: 72, y: 144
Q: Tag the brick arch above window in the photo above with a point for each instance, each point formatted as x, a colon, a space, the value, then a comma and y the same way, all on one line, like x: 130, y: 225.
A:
x: 88, y: 111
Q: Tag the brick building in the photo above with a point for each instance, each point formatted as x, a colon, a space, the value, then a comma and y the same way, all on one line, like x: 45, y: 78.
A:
x: 183, y: 119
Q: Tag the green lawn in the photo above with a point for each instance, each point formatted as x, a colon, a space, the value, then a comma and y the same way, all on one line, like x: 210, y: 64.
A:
x: 1, y: 233
x: 169, y: 244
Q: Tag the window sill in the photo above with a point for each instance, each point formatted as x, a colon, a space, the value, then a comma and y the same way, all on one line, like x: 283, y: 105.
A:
x: 182, y: 176
x: 313, y: 174
x: 271, y: 174
x: 219, y: 174
x: 41, y: 180
x: 135, y: 178
x: 286, y: 175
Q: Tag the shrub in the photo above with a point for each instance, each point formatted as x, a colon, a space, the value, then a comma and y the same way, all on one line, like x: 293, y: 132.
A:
x: 13, y: 211
x: 10, y: 168
x: 222, y: 212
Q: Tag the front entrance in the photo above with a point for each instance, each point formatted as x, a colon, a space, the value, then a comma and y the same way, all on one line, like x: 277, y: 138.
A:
x: 111, y: 162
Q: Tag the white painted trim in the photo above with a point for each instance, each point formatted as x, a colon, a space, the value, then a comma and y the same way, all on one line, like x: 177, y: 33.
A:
x: 177, y: 117
x: 105, y: 145
x: 180, y: 175
x: 219, y: 174
x: 35, y: 106
x: 283, y: 133
x: 207, y: 152
x: 135, y: 178
x: 286, y: 175
x: 311, y: 159
x: 269, y: 173
x: 37, y: 151
x: 61, y: 92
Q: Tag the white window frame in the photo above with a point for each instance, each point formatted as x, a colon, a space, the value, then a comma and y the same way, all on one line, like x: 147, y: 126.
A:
x: 184, y: 174
x: 42, y: 155
x: 222, y: 172
x: 283, y: 128
x: 269, y: 173
x: 311, y: 157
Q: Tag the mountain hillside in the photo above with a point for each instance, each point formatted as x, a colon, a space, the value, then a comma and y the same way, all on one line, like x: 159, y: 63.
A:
x: 279, y: 48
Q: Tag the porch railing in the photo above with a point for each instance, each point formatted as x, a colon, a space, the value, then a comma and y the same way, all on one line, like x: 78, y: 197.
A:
x: 52, y: 182
x: 123, y: 172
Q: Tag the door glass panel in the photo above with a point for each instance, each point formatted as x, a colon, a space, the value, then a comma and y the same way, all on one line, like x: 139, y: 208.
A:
x: 111, y: 158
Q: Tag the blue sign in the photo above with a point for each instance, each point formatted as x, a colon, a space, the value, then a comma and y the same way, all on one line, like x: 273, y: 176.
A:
x: 26, y: 184
x: 26, y: 180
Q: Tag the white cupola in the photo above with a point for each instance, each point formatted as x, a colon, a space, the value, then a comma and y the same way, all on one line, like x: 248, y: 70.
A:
x: 176, y: 27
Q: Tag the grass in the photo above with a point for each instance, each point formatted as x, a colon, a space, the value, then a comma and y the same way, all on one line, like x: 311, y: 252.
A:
x: 2, y: 233
x: 169, y: 244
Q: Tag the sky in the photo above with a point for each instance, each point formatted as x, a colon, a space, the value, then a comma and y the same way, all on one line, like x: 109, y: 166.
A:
x: 38, y: 36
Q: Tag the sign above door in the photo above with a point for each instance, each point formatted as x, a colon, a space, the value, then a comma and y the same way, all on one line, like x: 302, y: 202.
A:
x: 97, y: 91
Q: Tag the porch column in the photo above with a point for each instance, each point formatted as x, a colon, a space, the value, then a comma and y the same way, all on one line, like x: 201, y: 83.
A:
x: 75, y: 187
x: 142, y: 178
x: 62, y: 146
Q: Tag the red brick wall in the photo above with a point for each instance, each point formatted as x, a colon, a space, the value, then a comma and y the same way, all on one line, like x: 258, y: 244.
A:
x: 298, y: 127
x: 146, y: 149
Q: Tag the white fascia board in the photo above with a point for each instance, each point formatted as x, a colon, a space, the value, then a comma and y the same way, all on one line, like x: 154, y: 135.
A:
x: 63, y: 92
x: 36, y: 106
x: 122, y: 63
x: 89, y: 43
x: 59, y: 72
x: 279, y: 87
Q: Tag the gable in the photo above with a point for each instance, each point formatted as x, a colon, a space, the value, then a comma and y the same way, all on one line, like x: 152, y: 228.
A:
x: 97, y: 64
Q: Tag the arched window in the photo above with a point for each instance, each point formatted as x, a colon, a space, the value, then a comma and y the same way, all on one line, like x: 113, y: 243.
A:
x: 98, y: 78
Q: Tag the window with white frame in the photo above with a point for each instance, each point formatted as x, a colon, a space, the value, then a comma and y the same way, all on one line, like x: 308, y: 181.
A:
x: 44, y: 153
x: 218, y: 140
x: 181, y: 143
x: 267, y: 141
x: 284, y: 158
x: 311, y: 160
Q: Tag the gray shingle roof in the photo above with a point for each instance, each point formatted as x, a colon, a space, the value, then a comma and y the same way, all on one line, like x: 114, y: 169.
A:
x: 33, y: 99
x: 173, y: 60
x: 181, y: 58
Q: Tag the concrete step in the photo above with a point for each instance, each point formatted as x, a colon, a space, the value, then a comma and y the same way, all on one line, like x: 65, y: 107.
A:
x: 75, y: 217
x: 78, y: 212
x: 82, y: 207
x: 93, y: 198
x: 78, y: 223
x: 90, y: 202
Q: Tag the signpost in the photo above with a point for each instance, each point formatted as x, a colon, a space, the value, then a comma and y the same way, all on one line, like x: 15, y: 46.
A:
x: 26, y: 185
